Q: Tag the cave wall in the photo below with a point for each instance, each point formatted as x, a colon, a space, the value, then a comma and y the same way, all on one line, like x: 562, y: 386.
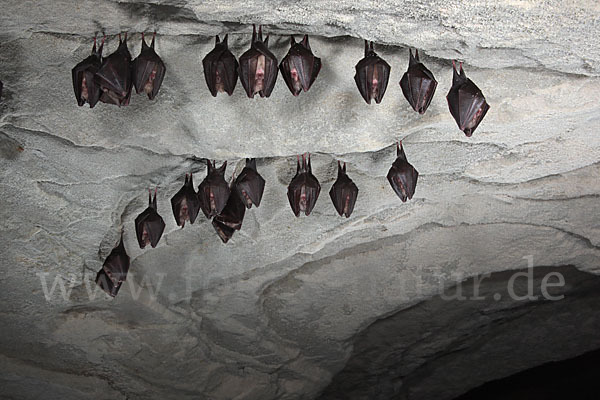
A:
x: 277, y: 312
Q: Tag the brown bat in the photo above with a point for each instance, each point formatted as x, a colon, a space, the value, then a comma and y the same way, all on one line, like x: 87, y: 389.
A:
x: 149, y: 225
x: 148, y: 70
x: 372, y: 75
x: 343, y: 193
x: 185, y: 203
x: 84, y: 84
x: 402, y: 176
x: 300, y: 67
x: 214, y: 191
x: 258, y: 67
x: 249, y: 185
x: 466, y: 102
x: 114, y: 270
x: 114, y: 76
x: 230, y: 219
x: 418, y: 84
x: 304, y: 189
x: 220, y: 68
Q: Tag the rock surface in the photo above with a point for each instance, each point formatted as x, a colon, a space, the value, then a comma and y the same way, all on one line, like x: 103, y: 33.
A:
x: 287, y: 304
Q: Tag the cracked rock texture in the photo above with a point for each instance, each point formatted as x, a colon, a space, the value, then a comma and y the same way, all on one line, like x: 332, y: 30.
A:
x: 312, y: 307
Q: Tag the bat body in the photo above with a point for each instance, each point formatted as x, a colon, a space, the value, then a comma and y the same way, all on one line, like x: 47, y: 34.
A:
x: 214, y: 191
x: 304, y: 189
x: 258, y: 67
x: 230, y: 219
x: 114, y: 270
x: 343, y: 193
x: 114, y: 76
x: 466, y: 102
x: 418, y: 84
x: 185, y: 203
x: 149, y: 225
x: 249, y: 185
x: 84, y: 84
x: 402, y: 176
x: 372, y: 75
x: 148, y: 70
x: 220, y: 68
x: 300, y: 67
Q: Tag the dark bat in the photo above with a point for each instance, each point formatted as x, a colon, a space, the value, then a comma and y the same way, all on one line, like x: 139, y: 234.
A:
x: 258, y: 67
x: 84, y: 84
x: 249, y: 185
x: 114, y: 76
x: 148, y: 70
x: 300, y: 67
x: 304, y: 189
x: 185, y: 203
x: 220, y: 68
x: 230, y: 219
x: 213, y: 192
x: 343, y: 193
x: 466, y: 102
x: 402, y: 176
x: 114, y: 270
x: 149, y: 225
x: 372, y: 75
x: 418, y: 84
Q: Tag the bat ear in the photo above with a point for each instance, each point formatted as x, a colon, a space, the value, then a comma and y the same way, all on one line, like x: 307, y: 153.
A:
x: 260, y: 33
x: 251, y: 163
x: 217, y: 40
x: 292, y: 41
x: 154, y: 199
x: 225, y: 39
x: 344, y: 169
x: 298, y: 166
x: 309, y: 168
x: 366, y: 48
x: 305, y: 42
x: 266, y: 41
x: 417, y: 54
x: 94, y: 47
x: 150, y: 197
x: 253, y: 33
x: 153, y: 39
x: 462, y: 71
x: 101, y: 46
x: 223, y: 167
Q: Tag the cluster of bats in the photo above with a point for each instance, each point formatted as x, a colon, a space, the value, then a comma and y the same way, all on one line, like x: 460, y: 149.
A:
x: 226, y: 204
x: 110, y: 79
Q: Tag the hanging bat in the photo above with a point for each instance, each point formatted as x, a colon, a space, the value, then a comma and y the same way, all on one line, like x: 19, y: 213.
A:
x: 230, y: 219
x: 84, y: 84
x: 185, y: 203
x: 304, y: 189
x: 148, y: 70
x: 258, y: 67
x: 249, y: 185
x: 213, y: 192
x: 300, y: 67
x: 149, y: 225
x: 372, y: 75
x: 402, y: 176
x: 220, y: 68
x: 418, y: 84
x: 114, y: 76
x: 343, y: 193
x: 114, y: 270
x: 466, y: 102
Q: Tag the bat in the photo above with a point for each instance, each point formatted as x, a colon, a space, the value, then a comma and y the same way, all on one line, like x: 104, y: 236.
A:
x: 418, y: 84
x: 220, y: 68
x: 148, y: 70
x: 300, y: 67
x: 466, y: 102
x: 343, y: 193
x: 402, y: 176
x: 230, y: 219
x: 249, y: 185
x: 149, y: 225
x: 372, y: 75
x: 84, y: 84
x: 114, y: 76
x: 303, y: 190
x: 185, y: 203
x: 114, y: 270
x: 258, y: 67
x: 213, y: 191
